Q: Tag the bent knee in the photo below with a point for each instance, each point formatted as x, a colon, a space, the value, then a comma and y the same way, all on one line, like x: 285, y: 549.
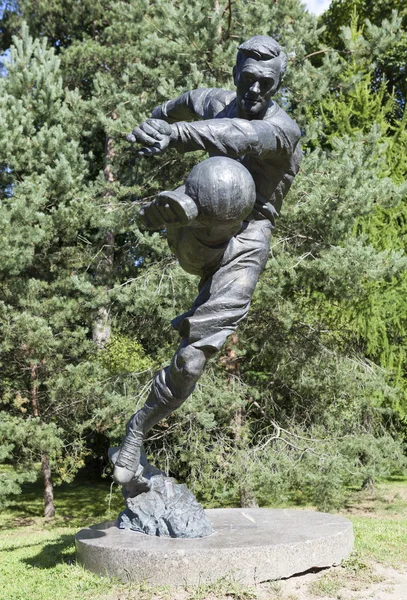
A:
x: 190, y: 361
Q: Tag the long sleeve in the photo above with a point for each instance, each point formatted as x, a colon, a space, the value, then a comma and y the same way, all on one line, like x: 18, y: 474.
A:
x: 187, y: 107
x: 233, y: 137
x: 203, y: 103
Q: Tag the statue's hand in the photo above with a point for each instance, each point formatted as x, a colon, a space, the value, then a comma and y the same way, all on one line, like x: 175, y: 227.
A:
x: 155, y: 134
x: 175, y: 209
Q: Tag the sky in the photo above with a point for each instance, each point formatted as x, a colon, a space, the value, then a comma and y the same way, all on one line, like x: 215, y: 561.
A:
x: 317, y: 6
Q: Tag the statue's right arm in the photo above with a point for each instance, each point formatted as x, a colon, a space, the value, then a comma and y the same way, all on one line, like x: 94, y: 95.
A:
x: 190, y: 106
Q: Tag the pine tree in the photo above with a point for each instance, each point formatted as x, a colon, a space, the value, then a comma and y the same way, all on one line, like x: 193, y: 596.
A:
x: 49, y: 216
x: 357, y: 105
x: 385, y: 24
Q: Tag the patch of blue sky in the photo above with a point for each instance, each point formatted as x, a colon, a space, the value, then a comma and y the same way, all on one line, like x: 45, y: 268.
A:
x: 317, y: 7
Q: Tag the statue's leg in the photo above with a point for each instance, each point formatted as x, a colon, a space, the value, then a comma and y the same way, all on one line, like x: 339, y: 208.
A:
x: 222, y: 303
x: 224, y: 298
x: 170, y: 388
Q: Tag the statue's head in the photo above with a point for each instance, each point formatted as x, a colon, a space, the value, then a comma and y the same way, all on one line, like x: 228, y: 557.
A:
x: 259, y: 70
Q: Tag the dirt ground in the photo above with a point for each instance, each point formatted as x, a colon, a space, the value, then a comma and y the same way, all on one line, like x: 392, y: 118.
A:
x: 385, y: 584
x: 379, y: 583
x: 382, y: 583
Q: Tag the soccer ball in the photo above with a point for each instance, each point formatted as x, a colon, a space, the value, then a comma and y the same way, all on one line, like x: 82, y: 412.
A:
x: 223, y: 189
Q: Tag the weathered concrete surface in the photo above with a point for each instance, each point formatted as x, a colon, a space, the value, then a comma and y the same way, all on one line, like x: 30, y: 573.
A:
x: 250, y: 545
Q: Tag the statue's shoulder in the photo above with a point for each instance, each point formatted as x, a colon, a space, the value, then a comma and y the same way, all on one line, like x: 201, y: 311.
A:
x: 280, y: 118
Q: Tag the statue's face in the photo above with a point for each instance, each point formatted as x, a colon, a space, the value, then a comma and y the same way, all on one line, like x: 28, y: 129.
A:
x: 256, y: 81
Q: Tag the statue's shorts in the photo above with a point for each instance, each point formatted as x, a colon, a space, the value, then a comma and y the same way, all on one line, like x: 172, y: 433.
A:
x: 225, y: 295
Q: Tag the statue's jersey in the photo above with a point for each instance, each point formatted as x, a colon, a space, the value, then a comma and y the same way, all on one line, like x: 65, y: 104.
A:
x: 268, y: 148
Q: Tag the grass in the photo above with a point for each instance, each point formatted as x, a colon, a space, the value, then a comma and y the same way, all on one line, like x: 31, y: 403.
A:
x: 74, y: 502
x: 37, y: 557
x: 380, y: 523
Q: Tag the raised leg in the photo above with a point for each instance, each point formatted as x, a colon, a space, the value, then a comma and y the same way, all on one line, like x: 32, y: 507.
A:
x: 171, y: 387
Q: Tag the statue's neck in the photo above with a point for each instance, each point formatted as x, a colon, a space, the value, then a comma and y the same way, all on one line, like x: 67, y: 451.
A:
x: 257, y: 117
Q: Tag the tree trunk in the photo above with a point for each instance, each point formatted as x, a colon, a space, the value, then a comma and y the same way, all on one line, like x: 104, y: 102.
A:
x: 229, y: 9
x: 49, y: 508
x: 246, y: 496
x: 101, y: 327
x: 368, y: 484
x: 217, y: 11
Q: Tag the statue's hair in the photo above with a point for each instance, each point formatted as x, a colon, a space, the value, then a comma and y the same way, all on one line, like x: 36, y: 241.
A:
x: 261, y: 47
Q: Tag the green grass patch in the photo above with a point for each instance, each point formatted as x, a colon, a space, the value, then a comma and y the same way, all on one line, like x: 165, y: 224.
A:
x: 379, y: 521
x: 37, y: 557
x: 382, y: 540
x: 38, y: 564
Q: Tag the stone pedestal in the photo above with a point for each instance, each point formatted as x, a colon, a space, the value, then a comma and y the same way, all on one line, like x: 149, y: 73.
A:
x: 248, y: 545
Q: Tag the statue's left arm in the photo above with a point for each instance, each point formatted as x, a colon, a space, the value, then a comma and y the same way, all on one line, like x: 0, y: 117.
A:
x: 235, y: 137
x: 225, y: 137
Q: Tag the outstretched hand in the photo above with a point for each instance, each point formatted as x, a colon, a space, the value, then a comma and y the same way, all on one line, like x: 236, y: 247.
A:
x: 154, y: 134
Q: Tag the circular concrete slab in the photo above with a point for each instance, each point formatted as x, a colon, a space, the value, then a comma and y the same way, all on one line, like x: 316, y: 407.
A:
x: 249, y: 545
